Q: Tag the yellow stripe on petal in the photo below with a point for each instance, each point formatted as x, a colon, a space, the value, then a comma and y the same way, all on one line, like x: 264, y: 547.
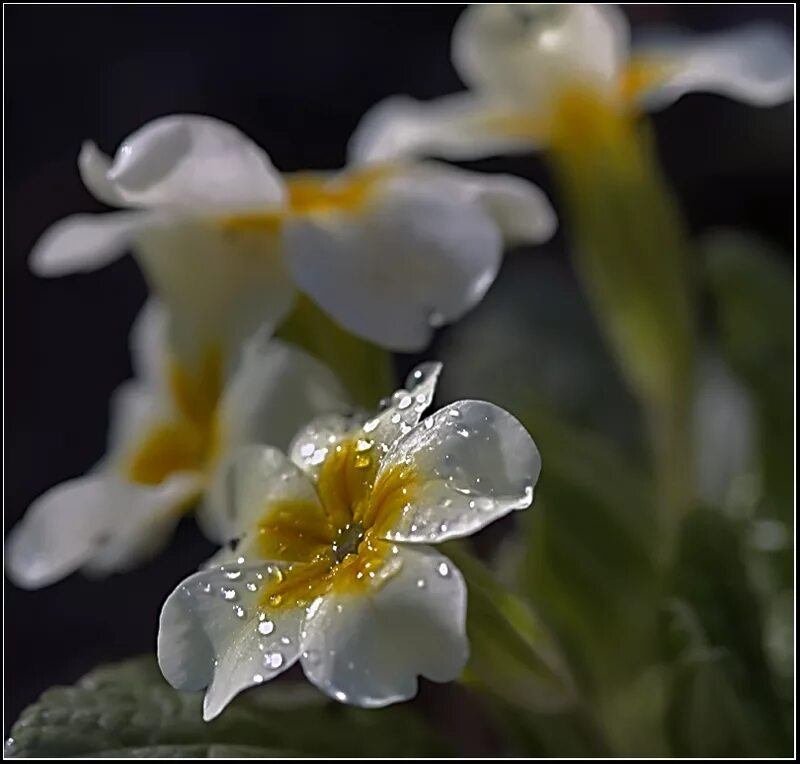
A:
x: 295, y: 531
x: 311, y: 193
x: 189, y: 441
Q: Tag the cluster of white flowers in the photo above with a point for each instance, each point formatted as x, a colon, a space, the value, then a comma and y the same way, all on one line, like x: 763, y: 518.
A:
x: 326, y: 558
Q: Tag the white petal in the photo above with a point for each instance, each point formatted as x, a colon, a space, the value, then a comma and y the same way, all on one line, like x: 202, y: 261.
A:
x: 83, y: 243
x: 93, y: 166
x: 149, y: 343
x: 142, y: 522
x: 245, y: 485
x: 96, y: 522
x: 754, y: 64
x: 520, y: 209
x: 405, y: 407
x: 215, y: 633
x: 189, y: 162
x: 312, y: 443
x: 526, y: 53
x: 410, y: 259
x: 275, y: 390
x: 58, y: 533
x: 368, y: 649
x: 474, y: 463
x: 219, y: 286
x: 457, y: 127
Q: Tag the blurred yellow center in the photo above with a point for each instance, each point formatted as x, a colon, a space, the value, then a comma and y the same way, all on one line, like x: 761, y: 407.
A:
x: 580, y: 115
x: 189, y: 440
x: 335, y: 544
x: 310, y: 193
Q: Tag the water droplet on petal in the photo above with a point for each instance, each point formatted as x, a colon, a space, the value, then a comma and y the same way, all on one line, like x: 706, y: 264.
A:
x: 266, y: 627
x: 396, y: 418
x: 251, y: 587
x: 228, y: 594
x: 420, y: 583
x: 273, y: 660
x: 311, y: 656
x: 233, y: 574
x: 340, y: 696
x: 240, y: 611
x: 286, y: 641
x: 444, y: 570
x: 404, y: 402
x: 307, y: 449
x: 257, y: 678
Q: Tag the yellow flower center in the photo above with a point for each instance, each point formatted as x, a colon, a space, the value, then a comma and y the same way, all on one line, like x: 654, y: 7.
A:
x: 335, y: 544
x: 310, y: 193
x: 189, y: 440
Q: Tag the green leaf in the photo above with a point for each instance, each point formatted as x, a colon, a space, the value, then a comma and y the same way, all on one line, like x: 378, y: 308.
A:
x: 129, y: 710
x: 511, y: 655
x: 589, y: 565
x: 364, y: 368
x: 724, y: 700
x: 752, y: 287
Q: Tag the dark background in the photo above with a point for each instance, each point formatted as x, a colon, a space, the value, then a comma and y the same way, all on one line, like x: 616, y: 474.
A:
x: 296, y: 79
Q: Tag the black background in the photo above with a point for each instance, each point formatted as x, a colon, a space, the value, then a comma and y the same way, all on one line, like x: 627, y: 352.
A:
x: 296, y: 79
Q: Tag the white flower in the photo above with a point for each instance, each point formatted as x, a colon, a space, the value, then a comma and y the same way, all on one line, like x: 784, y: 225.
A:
x: 172, y: 429
x: 532, y: 67
x: 333, y: 566
x: 225, y: 240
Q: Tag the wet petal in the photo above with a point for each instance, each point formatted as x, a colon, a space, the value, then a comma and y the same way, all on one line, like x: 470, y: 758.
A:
x: 83, y: 243
x: 405, y: 408
x: 247, y: 486
x: 409, y: 259
x: 185, y: 162
x: 753, y: 64
x: 311, y: 445
x: 215, y: 632
x: 368, y: 648
x: 472, y: 463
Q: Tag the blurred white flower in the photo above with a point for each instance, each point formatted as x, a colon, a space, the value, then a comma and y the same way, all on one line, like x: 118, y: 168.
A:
x: 171, y: 430
x: 536, y: 71
x: 332, y: 567
x: 388, y: 250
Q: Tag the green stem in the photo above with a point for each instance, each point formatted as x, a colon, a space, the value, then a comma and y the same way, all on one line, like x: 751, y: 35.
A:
x: 632, y: 255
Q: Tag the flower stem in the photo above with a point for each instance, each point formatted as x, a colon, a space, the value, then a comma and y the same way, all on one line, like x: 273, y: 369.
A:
x: 632, y: 255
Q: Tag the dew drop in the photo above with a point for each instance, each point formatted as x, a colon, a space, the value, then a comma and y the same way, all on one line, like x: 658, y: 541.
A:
x: 257, y: 678
x: 307, y: 449
x: 420, y: 583
x: 266, y: 627
x: 286, y: 641
x: 273, y: 660
x: 396, y: 418
x: 251, y: 587
x: 371, y: 425
x: 363, y: 445
x: 404, y: 402
x: 444, y: 570
x: 443, y: 528
x: 229, y: 594
x: 233, y: 574
x: 340, y: 696
x: 240, y: 611
x: 240, y: 560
